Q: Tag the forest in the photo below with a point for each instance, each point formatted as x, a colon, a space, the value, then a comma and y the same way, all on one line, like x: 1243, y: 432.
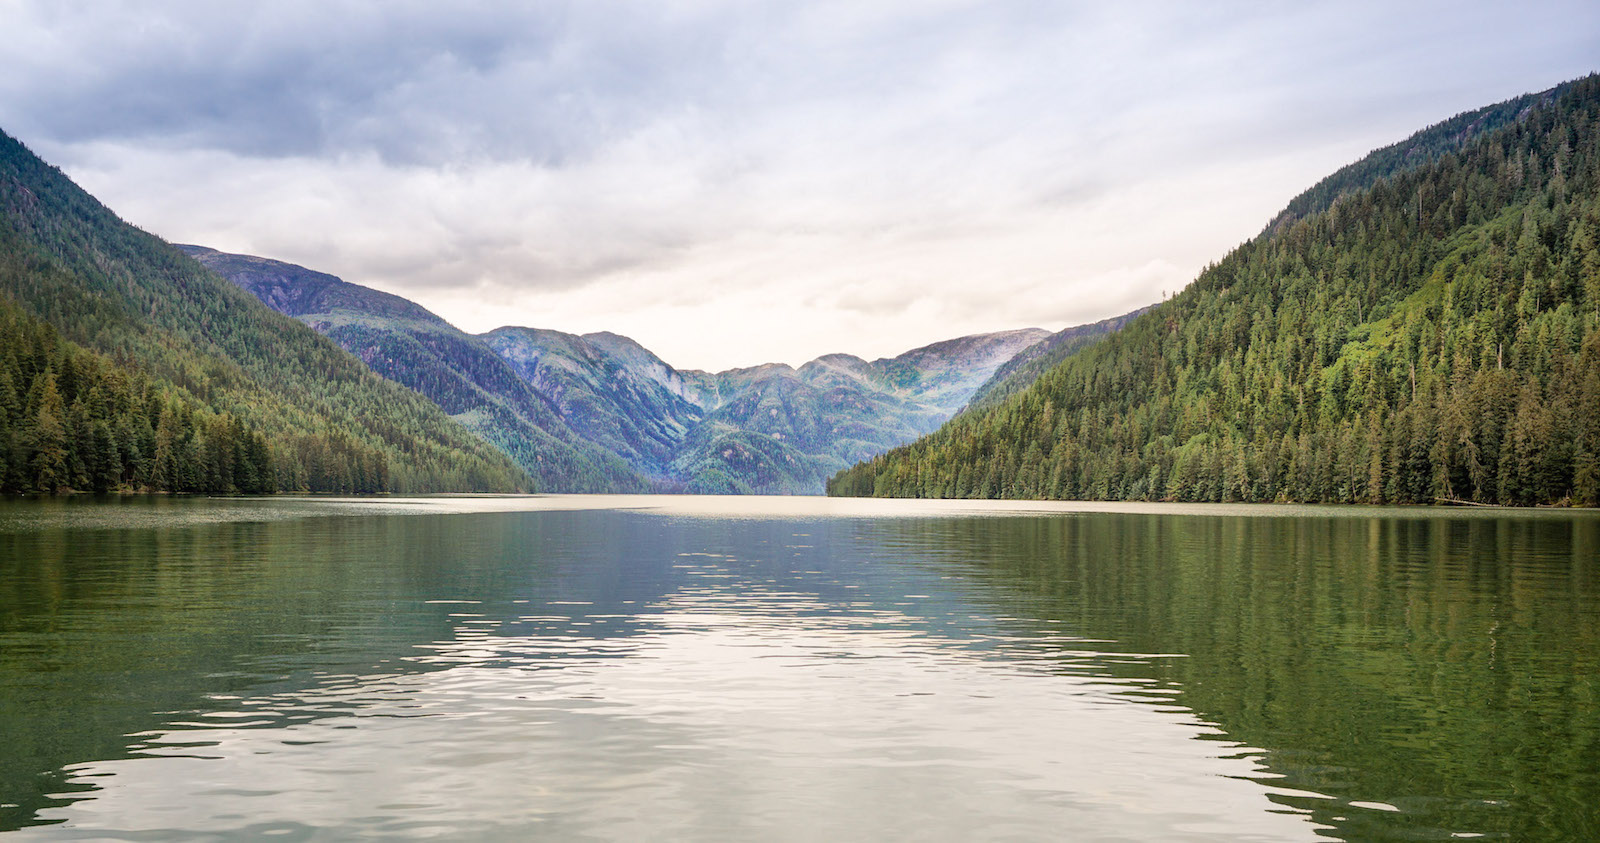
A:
x: 71, y: 419
x: 130, y: 367
x: 1423, y: 326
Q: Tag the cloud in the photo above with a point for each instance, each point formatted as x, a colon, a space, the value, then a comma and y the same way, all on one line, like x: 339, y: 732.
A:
x: 732, y: 182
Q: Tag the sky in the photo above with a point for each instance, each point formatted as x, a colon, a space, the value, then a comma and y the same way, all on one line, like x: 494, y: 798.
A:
x: 732, y: 183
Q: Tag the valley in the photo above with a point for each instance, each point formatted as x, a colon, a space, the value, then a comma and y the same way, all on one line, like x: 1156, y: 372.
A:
x: 609, y: 415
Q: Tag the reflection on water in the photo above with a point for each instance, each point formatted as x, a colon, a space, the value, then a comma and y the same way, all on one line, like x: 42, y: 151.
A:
x: 684, y: 668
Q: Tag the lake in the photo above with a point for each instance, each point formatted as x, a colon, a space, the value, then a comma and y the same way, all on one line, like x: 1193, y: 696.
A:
x: 625, y: 668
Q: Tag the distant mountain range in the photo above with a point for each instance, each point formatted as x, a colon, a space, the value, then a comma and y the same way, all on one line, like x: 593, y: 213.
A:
x: 129, y: 364
x: 599, y: 412
x: 409, y: 345
x: 1027, y: 365
x: 1422, y: 325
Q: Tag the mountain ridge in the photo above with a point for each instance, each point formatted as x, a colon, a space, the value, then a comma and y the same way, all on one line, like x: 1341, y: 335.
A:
x: 408, y: 344
x: 769, y: 428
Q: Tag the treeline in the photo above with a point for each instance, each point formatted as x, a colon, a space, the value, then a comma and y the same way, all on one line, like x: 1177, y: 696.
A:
x: 1435, y: 335
x: 72, y: 420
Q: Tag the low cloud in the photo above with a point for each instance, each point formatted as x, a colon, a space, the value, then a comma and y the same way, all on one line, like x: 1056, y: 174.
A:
x: 734, y: 182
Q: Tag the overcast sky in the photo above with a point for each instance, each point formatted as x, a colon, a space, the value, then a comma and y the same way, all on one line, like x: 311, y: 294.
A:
x: 739, y: 182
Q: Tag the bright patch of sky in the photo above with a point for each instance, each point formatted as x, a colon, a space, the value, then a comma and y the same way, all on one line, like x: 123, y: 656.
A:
x: 731, y: 183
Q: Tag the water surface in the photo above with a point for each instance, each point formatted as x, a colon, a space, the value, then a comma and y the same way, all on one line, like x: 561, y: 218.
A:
x: 810, y: 669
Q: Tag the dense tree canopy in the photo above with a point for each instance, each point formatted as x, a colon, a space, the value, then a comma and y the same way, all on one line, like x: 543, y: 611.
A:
x: 71, y: 419
x: 171, y: 340
x: 1427, y: 328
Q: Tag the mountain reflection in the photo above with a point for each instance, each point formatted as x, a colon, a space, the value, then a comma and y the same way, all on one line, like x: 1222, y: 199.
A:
x: 1380, y: 675
x: 1449, y: 668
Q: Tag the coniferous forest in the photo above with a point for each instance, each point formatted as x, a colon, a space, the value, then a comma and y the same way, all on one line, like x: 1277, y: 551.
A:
x: 125, y: 365
x: 71, y: 419
x: 1422, y: 326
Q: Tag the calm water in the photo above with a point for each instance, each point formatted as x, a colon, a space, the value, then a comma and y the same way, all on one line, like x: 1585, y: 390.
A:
x: 739, y: 669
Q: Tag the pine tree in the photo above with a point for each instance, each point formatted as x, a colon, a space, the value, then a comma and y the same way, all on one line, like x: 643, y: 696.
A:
x: 49, y: 461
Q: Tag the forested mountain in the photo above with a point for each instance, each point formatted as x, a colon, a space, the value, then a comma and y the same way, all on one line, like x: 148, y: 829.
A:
x: 463, y: 374
x: 609, y: 389
x: 627, y: 419
x: 1423, y: 325
x: 127, y: 365
x: 71, y: 419
x: 769, y: 429
x: 1021, y: 371
x: 773, y: 428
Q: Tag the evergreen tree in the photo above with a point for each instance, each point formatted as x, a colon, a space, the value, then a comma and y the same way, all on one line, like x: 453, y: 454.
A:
x: 1418, y: 327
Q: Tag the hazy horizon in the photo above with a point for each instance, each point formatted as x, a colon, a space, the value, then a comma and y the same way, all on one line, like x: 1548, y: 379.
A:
x: 733, y: 184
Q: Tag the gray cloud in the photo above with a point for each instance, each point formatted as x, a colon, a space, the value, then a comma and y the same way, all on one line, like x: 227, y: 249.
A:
x: 895, y: 172
x: 415, y: 82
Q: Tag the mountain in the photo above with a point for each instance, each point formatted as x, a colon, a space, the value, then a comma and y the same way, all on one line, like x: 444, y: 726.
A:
x: 1423, y: 325
x: 609, y: 415
x: 407, y: 344
x: 1021, y: 371
x: 607, y: 388
x: 769, y: 429
x: 127, y: 365
x: 773, y: 428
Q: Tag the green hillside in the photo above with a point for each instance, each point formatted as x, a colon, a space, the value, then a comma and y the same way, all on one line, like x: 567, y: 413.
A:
x: 408, y: 344
x: 131, y: 307
x: 769, y: 429
x: 1423, y: 325
x: 601, y: 413
x: 1021, y: 371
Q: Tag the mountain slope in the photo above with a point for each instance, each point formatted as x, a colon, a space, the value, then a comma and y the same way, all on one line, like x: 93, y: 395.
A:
x: 1421, y: 327
x: 1023, y: 369
x: 407, y: 344
x: 107, y: 287
x: 768, y: 429
x: 943, y: 375
x: 610, y: 403
x: 774, y: 428
x: 606, y: 389
x: 1419, y: 150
